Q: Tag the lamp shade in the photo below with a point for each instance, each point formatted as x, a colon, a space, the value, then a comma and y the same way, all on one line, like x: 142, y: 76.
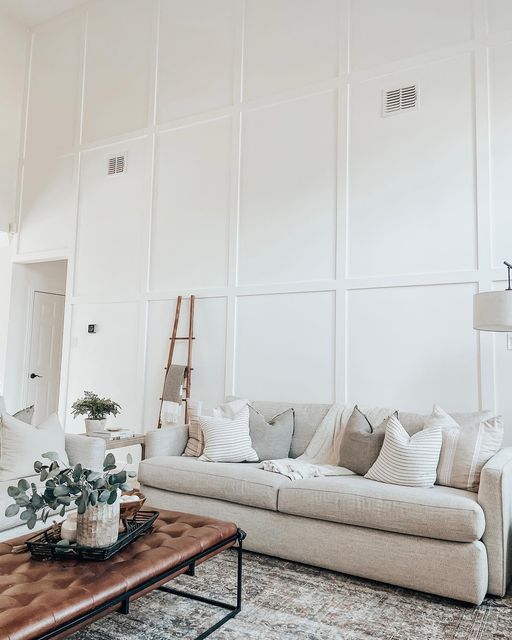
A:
x: 492, y: 311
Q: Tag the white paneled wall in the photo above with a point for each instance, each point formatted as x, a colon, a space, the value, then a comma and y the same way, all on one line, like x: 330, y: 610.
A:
x: 190, y: 233
x: 411, y: 193
x: 334, y: 252
x: 288, y: 192
x: 120, y: 56
x: 113, y: 221
x: 13, y: 60
x: 204, y: 35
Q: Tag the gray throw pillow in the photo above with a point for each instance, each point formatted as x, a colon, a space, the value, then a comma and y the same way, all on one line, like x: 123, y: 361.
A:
x: 25, y: 415
x: 361, y: 443
x: 271, y: 440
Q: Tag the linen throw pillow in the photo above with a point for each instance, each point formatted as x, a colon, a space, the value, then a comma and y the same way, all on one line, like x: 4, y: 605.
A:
x: 227, y: 439
x: 195, y: 442
x: 407, y: 460
x: 271, y: 440
x: 468, y: 443
x: 361, y: 442
x: 23, y: 444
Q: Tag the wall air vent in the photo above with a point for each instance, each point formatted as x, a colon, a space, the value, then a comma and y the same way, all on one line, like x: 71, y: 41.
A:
x: 402, y: 99
x: 117, y: 164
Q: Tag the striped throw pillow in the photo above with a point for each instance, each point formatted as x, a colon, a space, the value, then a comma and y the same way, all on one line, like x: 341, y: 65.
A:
x: 227, y: 439
x: 407, y: 460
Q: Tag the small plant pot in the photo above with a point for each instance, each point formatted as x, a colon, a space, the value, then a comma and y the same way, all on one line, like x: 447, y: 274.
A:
x: 99, y: 525
x: 95, y: 425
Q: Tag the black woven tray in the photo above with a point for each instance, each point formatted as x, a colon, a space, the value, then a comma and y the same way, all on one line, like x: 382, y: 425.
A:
x: 44, y: 545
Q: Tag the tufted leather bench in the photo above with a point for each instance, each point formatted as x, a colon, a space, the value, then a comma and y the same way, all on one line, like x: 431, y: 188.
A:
x: 52, y: 599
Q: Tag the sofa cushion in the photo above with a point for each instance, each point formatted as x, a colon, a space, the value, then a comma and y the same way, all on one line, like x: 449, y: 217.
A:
x: 242, y: 483
x: 439, y: 512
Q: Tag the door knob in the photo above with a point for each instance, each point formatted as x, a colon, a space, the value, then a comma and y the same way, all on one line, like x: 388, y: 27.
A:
x: 34, y: 375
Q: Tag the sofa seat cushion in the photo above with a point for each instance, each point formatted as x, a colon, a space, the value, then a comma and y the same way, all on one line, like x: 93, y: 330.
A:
x: 436, y: 512
x: 241, y: 482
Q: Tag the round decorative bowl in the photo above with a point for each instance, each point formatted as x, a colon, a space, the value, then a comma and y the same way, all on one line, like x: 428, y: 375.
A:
x: 130, y: 509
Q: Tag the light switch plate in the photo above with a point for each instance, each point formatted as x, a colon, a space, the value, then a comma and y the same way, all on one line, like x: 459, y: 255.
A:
x: 509, y: 341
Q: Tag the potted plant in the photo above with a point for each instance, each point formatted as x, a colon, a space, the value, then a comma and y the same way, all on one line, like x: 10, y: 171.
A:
x: 96, y: 495
x: 96, y: 409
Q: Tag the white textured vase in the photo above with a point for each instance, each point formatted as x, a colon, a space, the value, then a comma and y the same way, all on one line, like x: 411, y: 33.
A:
x: 95, y: 425
x: 99, y: 525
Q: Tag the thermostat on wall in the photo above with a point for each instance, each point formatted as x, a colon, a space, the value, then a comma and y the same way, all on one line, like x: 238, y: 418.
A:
x: 91, y: 328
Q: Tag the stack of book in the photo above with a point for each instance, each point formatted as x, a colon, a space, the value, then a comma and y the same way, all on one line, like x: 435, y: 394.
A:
x: 114, y: 434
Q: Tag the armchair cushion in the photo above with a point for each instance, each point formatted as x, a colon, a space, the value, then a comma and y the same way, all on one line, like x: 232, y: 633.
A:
x: 88, y: 451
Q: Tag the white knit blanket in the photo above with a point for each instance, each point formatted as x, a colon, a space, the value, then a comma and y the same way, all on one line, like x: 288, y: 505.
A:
x: 322, y: 454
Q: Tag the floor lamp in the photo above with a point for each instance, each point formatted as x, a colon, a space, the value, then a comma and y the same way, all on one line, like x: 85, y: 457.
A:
x: 492, y: 311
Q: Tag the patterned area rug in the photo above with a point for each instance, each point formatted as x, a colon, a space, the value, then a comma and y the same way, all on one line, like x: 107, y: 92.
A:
x: 290, y: 601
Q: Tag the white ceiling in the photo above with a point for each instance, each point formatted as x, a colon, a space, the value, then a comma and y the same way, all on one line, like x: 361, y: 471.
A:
x: 32, y: 12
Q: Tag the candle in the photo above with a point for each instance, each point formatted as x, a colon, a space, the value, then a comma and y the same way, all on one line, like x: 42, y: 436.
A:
x: 68, y: 528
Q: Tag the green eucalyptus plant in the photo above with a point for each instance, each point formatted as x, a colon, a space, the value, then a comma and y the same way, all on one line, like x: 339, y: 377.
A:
x: 94, y: 407
x: 66, y: 484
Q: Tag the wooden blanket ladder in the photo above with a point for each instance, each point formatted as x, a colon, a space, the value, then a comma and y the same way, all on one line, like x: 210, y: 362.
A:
x: 189, y: 338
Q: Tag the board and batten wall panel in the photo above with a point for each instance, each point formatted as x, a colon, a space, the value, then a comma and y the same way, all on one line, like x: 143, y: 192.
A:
x: 189, y: 245
x: 288, y: 192
x: 105, y: 362
x: 500, y: 91
x: 499, y: 16
x: 278, y: 356
x: 14, y: 40
x: 53, y: 107
x: 196, y: 57
x: 47, y: 203
x: 120, y: 54
x: 427, y: 348
x: 52, y: 131
x: 411, y: 193
x: 334, y: 252
x: 113, y: 220
x: 289, y: 44
x: 392, y: 30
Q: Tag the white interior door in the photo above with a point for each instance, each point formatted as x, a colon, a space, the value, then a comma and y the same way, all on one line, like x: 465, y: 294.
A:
x: 45, y: 354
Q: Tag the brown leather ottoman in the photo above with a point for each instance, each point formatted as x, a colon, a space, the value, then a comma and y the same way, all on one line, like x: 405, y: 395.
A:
x: 52, y: 599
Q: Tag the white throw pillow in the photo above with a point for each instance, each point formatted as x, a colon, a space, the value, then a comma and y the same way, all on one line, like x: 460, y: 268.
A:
x: 23, y: 444
x: 407, y: 460
x: 467, y: 446
x: 227, y: 439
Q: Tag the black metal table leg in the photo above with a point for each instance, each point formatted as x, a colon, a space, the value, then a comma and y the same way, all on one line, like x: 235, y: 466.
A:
x: 233, y: 609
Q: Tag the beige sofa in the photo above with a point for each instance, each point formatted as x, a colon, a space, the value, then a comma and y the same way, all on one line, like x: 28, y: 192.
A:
x: 440, y: 540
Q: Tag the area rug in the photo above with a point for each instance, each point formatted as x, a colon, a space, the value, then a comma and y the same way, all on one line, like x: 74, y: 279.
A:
x: 290, y: 601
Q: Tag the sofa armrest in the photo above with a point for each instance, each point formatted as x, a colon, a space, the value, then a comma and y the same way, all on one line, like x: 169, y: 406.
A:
x: 495, y: 498
x: 89, y: 452
x: 169, y: 441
